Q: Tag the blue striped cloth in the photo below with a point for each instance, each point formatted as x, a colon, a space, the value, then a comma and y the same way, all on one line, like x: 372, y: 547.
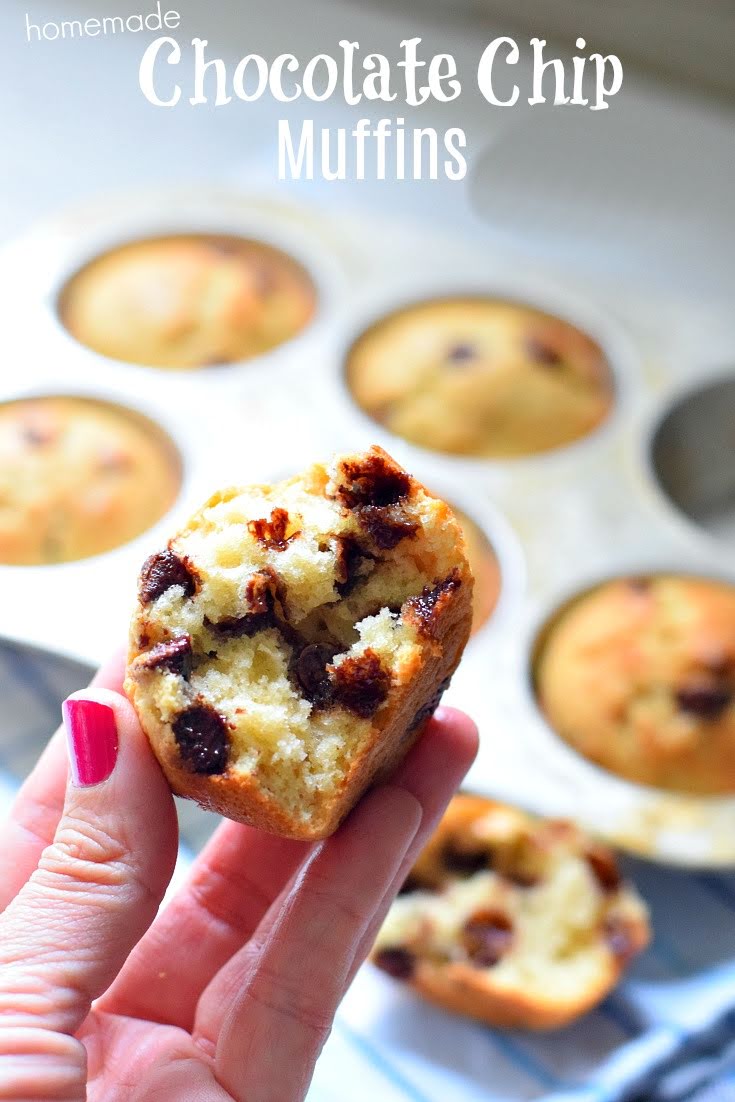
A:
x: 666, y: 1035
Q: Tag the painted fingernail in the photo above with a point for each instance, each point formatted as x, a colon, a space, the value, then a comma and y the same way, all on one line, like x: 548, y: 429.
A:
x: 91, y: 738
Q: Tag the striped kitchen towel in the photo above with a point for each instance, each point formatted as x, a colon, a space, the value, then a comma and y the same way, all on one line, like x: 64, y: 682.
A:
x: 663, y: 1035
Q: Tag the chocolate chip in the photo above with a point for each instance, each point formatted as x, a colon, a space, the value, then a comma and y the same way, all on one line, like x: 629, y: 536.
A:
x: 312, y: 673
x: 373, y: 480
x: 619, y: 938
x: 174, y: 655
x: 161, y: 572
x: 639, y: 585
x: 398, y: 963
x: 386, y: 525
x: 428, y: 709
x: 349, y: 558
x: 37, y: 436
x: 260, y: 598
x: 604, y: 868
x: 542, y: 352
x: 423, y: 611
x: 487, y: 936
x: 706, y: 701
x: 272, y: 533
x: 203, y: 739
x: 360, y: 683
x: 460, y: 353
x: 411, y: 884
x: 465, y: 862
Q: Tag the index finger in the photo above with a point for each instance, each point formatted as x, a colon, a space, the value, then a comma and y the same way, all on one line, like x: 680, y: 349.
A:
x: 36, y: 810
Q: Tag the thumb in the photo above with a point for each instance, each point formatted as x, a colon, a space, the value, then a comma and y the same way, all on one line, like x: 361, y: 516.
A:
x: 98, y: 885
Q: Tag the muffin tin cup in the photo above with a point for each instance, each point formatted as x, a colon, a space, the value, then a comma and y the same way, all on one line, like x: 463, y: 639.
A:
x: 582, y: 513
x: 680, y: 829
x: 491, y: 473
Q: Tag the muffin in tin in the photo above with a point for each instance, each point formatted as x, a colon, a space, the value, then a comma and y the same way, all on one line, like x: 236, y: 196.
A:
x: 79, y: 477
x: 480, y: 377
x: 485, y: 570
x: 638, y: 675
x: 511, y: 919
x: 188, y: 301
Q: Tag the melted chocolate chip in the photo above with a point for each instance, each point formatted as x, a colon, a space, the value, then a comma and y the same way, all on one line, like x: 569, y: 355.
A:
x: 487, y: 936
x: 465, y: 862
x: 360, y: 684
x: 460, y: 353
x: 411, y: 884
x: 260, y: 598
x: 312, y: 674
x: 37, y: 436
x: 272, y: 533
x: 424, y: 610
x: 639, y: 585
x: 604, y: 867
x: 398, y: 963
x: 428, y: 709
x: 162, y: 571
x: 386, y: 525
x: 542, y: 352
x: 203, y: 740
x: 704, y: 700
x: 373, y: 480
x: 349, y: 559
x: 619, y: 938
x: 174, y: 655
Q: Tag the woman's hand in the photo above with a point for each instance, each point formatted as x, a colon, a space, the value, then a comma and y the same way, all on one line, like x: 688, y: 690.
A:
x: 230, y: 991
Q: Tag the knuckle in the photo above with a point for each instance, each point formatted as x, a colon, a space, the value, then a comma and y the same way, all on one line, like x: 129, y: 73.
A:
x: 313, y: 1013
x: 37, y: 1063
x: 85, y: 857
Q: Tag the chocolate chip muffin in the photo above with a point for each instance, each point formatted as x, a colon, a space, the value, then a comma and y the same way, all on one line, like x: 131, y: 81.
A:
x: 639, y: 676
x: 78, y: 477
x: 516, y: 921
x: 289, y: 644
x: 188, y: 301
x: 485, y: 570
x: 480, y: 377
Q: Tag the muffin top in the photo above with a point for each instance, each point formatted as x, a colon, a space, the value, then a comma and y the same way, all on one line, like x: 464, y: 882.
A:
x: 484, y: 567
x: 480, y: 377
x: 639, y: 676
x: 78, y: 477
x: 188, y: 301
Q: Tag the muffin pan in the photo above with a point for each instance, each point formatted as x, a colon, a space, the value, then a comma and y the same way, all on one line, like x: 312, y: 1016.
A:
x: 633, y: 497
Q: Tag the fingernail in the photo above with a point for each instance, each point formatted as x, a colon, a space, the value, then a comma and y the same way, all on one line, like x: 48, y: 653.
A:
x: 91, y: 738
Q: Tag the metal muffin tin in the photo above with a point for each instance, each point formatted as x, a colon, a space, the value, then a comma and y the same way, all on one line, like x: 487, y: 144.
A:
x: 558, y: 521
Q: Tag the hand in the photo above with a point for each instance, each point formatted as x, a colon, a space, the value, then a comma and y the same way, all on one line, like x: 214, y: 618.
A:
x: 230, y: 991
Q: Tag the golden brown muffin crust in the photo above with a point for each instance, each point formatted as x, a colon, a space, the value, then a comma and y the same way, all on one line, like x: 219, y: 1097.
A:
x: 480, y: 377
x: 639, y: 676
x: 79, y: 477
x: 188, y: 301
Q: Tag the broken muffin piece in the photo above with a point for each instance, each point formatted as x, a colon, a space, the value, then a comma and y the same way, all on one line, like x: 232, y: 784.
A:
x: 513, y: 920
x: 292, y: 640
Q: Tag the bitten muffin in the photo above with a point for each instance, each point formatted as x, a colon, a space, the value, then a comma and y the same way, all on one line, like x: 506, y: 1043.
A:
x: 188, y: 301
x: 78, y: 477
x: 639, y: 676
x: 291, y: 641
x: 516, y: 921
x: 485, y: 570
x: 479, y: 377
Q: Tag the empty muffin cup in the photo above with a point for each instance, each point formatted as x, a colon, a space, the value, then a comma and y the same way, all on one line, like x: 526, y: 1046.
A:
x: 79, y: 476
x: 480, y: 377
x: 638, y: 676
x: 692, y: 455
x: 190, y: 300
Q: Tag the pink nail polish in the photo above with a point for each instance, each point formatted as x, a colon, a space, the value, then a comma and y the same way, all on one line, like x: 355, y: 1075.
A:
x: 91, y: 737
